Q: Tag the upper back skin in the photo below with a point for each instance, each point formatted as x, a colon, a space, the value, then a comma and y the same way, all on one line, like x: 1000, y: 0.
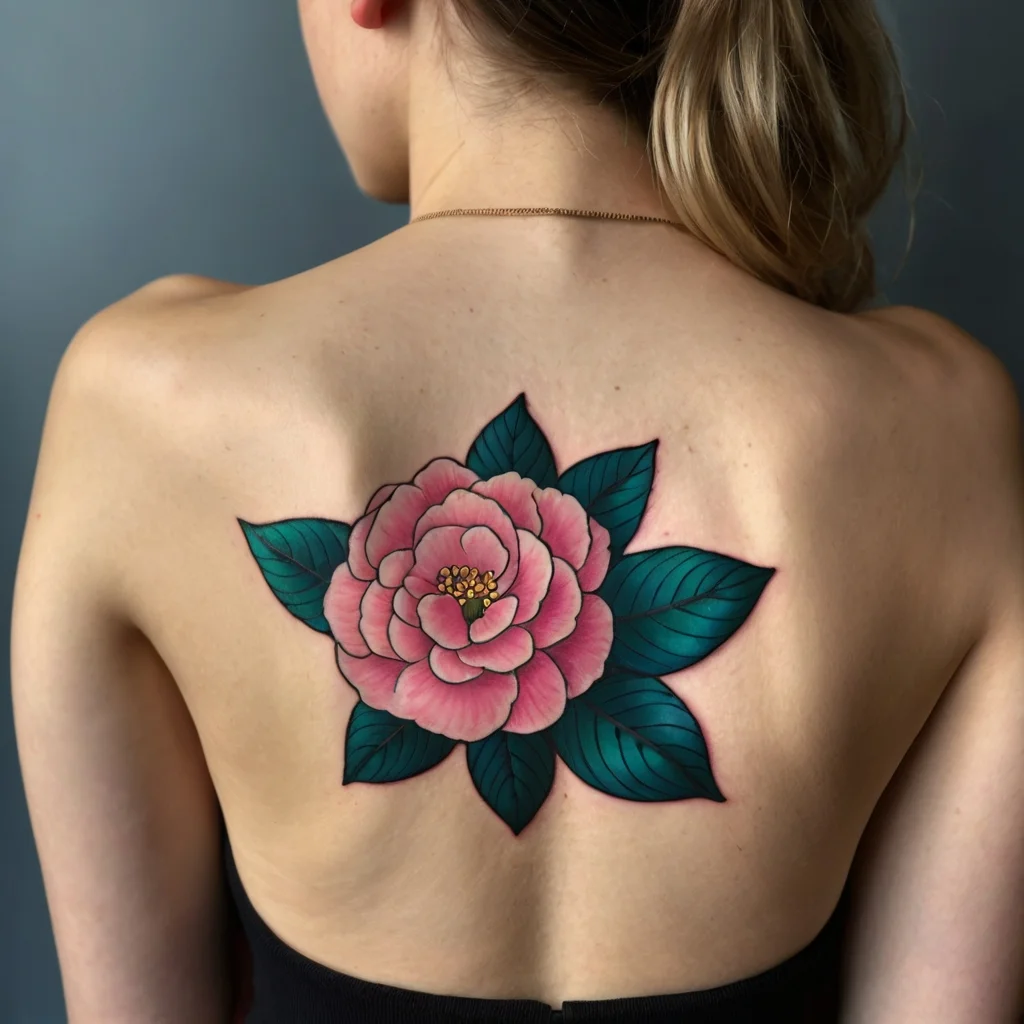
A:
x: 827, y: 447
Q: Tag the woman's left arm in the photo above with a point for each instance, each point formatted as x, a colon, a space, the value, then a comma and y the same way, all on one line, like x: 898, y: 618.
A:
x: 124, y: 814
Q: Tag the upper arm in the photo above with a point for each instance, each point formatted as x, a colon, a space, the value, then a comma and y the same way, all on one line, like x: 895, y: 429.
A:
x: 938, y: 928
x: 121, y: 804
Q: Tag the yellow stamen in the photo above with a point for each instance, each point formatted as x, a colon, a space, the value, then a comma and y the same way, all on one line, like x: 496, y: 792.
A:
x: 475, y: 591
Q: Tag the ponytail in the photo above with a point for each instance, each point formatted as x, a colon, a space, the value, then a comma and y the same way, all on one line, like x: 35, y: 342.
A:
x: 774, y: 125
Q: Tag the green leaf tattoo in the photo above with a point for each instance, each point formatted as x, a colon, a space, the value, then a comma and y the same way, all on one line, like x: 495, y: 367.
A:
x: 633, y: 738
x: 382, y: 748
x: 513, y: 773
x: 297, y: 558
x: 614, y: 487
x: 512, y: 442
x: 673, y: 606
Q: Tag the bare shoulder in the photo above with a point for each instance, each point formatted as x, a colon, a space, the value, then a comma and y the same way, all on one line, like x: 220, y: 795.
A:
x: 180, y: 288
x: 133, y: 376
x: 124, y: 367
x: 963, y: 391
x: 979, y: 381
x: 157, y: 302
x: 139, y: 350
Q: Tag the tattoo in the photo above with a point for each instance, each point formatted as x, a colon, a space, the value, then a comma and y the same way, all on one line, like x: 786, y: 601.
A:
x: 490, y: 602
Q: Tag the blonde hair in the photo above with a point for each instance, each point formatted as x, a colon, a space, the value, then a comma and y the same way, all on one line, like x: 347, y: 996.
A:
x: 775, y: 125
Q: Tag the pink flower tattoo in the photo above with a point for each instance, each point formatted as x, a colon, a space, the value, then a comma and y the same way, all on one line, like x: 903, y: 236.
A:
x: 468, y: 605
x: 491, y: 603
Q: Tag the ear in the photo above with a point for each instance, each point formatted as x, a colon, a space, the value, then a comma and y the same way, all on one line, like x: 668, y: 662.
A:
x: 368, y: 13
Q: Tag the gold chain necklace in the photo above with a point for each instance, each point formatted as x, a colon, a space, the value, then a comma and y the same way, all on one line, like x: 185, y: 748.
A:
x: 542, y: 211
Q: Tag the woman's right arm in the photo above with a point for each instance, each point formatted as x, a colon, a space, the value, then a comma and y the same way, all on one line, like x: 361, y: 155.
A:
x: 937, y: 933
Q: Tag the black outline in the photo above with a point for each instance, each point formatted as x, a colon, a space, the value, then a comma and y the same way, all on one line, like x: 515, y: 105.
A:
x: 519, y: 559
x: 512, y: 622
x: 565, y: 639
x: 506, y: 671
x: 417, y: 623
x: 575, y: 618
x: 398, y: 618
x: 509, y: 472
x: 586, y: 516
x: 362, y: 616
x: 424, y: 628
x: 441, y: 526
x: 451, y: 682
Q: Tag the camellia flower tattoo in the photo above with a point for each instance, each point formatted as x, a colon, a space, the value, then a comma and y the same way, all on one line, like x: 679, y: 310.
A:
x: 491, y: 603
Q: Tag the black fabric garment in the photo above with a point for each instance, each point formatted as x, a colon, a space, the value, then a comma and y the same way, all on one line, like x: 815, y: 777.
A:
x: 278, y: 985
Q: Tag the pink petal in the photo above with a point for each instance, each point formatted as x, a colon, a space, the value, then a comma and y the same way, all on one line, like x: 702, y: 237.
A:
x: 582, y: 654
x: 541, y: 700
x: 341, y: 609
x: 557, y: 616
x: 494, y: 620
x: 462, y: 711
x: 464, y: 508
x: 439, y: 547
x: 484, y: 550
x: 595, y: 568
x: 453, y: 545
x: 439, y: 477
x: 449, y: 667
x: 565, y: 525
x: 442, y: 620
x: 507, y: 651
x: 534, y: 577
x: 380, y: 496
x: 374, y: 616
x: 396, y: 519
x: 394, y: 567
x: 410, y: 643
x: 515, y: 495
x: 418, y: 586
x: 360, y: 567
x: 405, y: 606
x: 373, y: 677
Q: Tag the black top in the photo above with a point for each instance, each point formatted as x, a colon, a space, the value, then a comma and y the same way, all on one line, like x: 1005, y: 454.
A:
x: 278, y: 985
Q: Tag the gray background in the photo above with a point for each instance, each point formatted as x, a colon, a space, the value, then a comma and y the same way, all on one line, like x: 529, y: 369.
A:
x: 140, y: 138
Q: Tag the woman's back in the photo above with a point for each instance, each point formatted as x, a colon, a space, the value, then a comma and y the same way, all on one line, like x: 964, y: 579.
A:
x: 823, y: 447
x: 548, y: 601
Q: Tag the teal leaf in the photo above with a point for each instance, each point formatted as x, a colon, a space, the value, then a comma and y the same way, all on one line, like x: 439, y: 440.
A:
x: 512, y: 441
x: 513, y: 774
x: 631, y: 737
x: 614, y: 487
x: 297, y: 558
x: 673, y: 606
x: 382, y: 748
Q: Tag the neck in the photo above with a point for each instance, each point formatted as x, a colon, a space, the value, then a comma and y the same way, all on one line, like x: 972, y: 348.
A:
x: 469, y: 147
